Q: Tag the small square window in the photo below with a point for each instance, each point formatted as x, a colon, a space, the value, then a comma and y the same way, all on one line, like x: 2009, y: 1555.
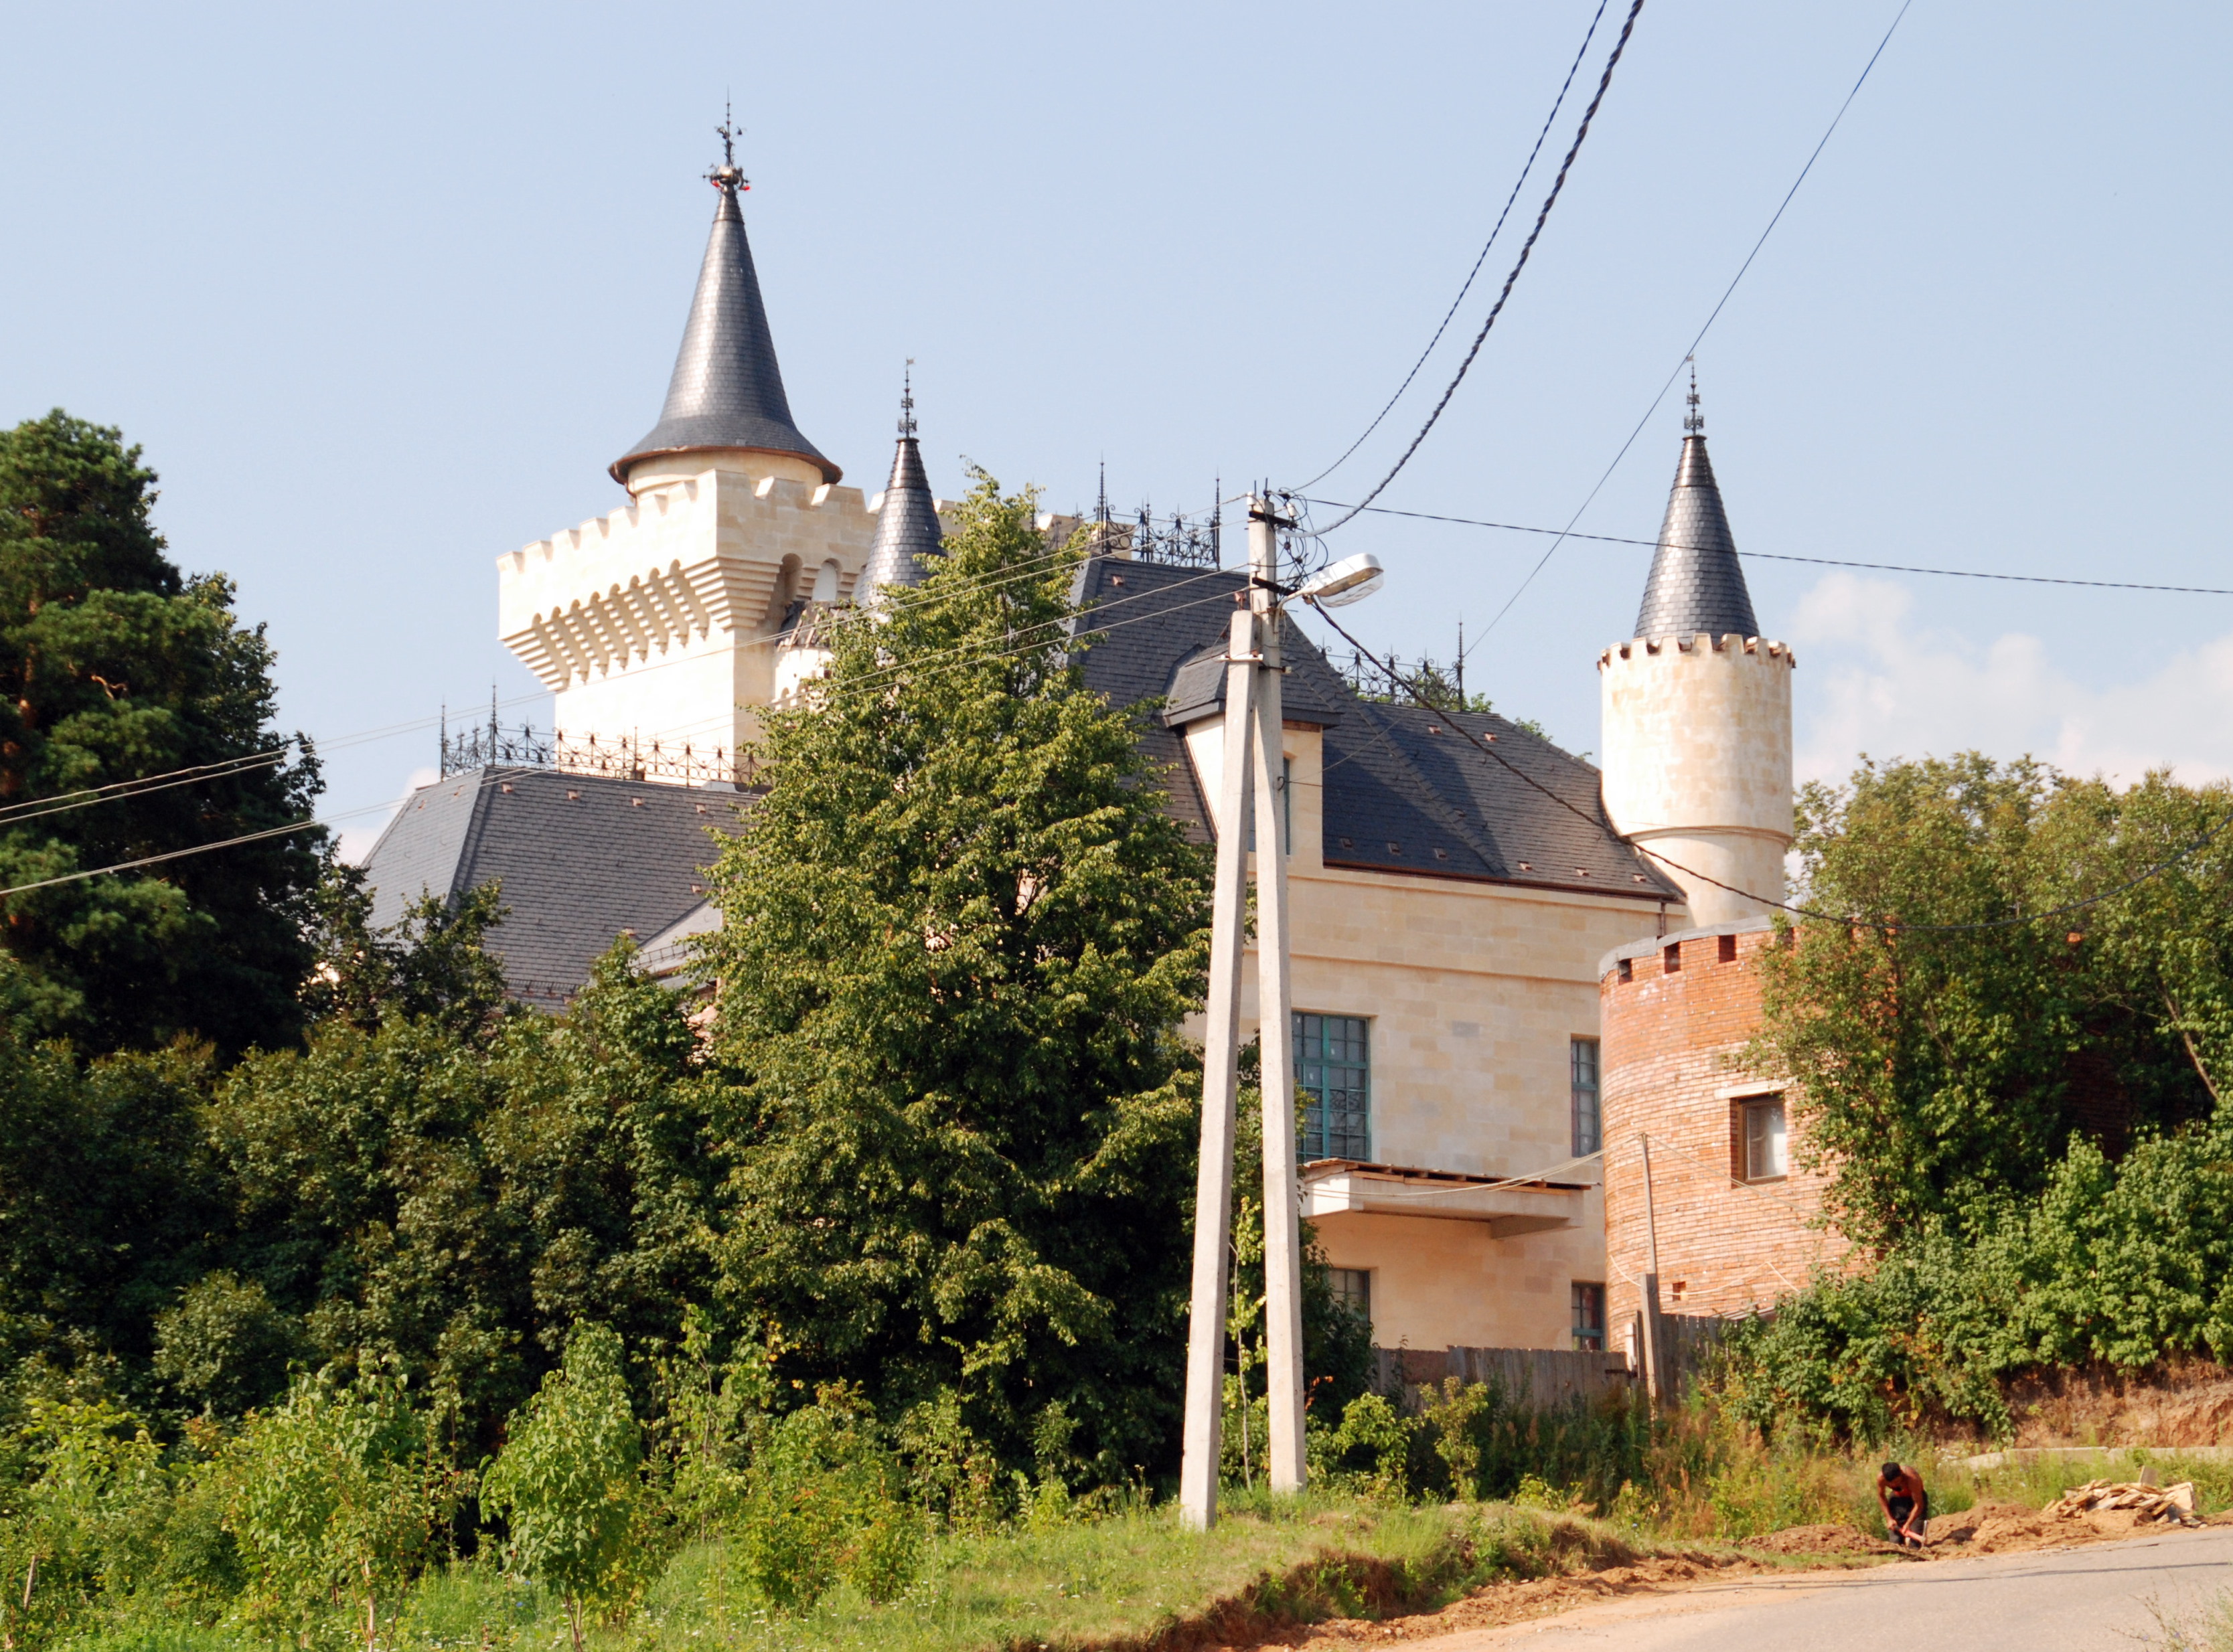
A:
x: 1763, y: 1145
x: 1726, y: 949
x: 1589, y: 1315
x: 1670, y: 958
x: 1627, y: 969
x: 1353, y: 1288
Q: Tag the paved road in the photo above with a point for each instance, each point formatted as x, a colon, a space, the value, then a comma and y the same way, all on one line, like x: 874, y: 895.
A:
x: 2103, y: 1598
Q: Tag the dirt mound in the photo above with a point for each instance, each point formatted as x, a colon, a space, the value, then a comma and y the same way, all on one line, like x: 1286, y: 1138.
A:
x: 1502, y: 1603
x: 2005, y: 1528
x: 1822, y: 1539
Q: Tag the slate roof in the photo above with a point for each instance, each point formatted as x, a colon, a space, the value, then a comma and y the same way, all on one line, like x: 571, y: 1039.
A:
x: 1402, y: 794
x: 580, y: 859
x: 1696, y: 582
x: 906, y: 524
x: 726, y: 390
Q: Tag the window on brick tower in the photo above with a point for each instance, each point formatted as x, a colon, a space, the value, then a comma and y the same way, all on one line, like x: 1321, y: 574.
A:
x: 1333, y: 1065
x: 1589, y: 1317
x: 1589, y: 1130
x: 1763, y: 1154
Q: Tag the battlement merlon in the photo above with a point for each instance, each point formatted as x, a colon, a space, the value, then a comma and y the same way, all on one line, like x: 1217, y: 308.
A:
x: 708, y: 560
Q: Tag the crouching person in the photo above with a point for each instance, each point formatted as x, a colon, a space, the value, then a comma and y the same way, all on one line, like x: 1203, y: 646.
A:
x: 1906, y: 1505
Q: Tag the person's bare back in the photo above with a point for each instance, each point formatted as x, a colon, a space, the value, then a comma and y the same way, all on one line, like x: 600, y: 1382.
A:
x: 1907, y: 1505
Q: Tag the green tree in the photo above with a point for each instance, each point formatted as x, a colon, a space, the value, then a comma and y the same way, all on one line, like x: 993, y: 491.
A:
x: 959, y: 936
x: 115, y: 667
x: 110, y: 1203
x: 2023, y: 1119
x: 568, y: 1483
x: 453, y: 1192
x: 339, y: 1494
x: 1944, y: 1066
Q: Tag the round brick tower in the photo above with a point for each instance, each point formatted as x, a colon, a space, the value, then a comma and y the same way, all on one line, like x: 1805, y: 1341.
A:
x: 1696, y: 736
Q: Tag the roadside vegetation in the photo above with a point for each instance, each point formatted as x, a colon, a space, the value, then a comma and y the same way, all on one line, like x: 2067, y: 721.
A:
x: 2010, y: 1028
x: 345, y: 1303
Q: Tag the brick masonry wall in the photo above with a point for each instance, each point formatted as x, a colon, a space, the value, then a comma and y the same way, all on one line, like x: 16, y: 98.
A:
x: 1671, y: 1048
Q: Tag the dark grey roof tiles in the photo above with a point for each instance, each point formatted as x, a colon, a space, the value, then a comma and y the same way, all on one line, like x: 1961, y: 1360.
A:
x: 907, y: 534
x: 1696, y: 584
x: 726, y: 390
x: 1402, y: 794
x: 1197, y: 690
x: 580, y: 859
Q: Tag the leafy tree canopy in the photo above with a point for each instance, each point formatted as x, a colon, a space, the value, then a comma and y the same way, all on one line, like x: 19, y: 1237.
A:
x: 959, y: 936
x: 2024, y: 1122
x: 114, y: 668
x: 1947, y: 1067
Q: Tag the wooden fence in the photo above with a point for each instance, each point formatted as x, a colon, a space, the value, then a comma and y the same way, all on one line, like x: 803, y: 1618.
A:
x: 1546, y: 1375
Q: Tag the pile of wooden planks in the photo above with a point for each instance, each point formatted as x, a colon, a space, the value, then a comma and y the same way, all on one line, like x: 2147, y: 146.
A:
x: 2147, y: 1503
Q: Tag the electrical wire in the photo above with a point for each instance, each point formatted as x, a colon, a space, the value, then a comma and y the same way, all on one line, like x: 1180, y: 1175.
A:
x: 1711, y: 318
x: 203, y: 849
x: 1887, y: 926
x: 1527, y: 247
x: 118, y: 791
x: 1814, y: 562
x: 1517, y: 184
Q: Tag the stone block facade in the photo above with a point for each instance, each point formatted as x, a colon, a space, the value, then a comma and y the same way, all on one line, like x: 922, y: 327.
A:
x: 1677, y: 1012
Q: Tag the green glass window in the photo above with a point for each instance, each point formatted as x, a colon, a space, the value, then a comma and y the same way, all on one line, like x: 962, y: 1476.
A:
x: 1589, y: 1130
x: 1334, y: 1067
x: 1589, y: 1306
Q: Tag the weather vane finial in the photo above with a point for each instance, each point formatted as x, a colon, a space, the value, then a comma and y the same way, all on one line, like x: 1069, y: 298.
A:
x: 725, y: 176
x: 907, y: 400
x: 1694, y: 421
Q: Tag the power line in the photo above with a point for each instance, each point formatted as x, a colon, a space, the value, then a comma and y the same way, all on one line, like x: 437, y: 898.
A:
x: 1816, y: 562
x: 120, y: 789
x: 1527, y: 247
x: 1518, y: 183
x: 202, y: 848
x: 1889, y: 926
x: 1711, y: 318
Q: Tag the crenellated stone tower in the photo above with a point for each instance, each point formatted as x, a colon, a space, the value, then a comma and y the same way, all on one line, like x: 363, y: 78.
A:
x: 1696, y: 735
x: 666, y: 623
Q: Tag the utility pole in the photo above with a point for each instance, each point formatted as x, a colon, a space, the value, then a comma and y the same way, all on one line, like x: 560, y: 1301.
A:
x: 1655, y: 1348
x: 1220, y: 1080
x: 1283, y: 1258
x: 1250, y: 766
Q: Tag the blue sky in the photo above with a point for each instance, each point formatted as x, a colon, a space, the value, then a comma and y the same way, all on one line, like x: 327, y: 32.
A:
x: 382, y: 290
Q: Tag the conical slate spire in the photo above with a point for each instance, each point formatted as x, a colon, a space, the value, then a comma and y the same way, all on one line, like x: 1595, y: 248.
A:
x: 728, y: 390
x: 1696, y: 582
x: 907, y: 522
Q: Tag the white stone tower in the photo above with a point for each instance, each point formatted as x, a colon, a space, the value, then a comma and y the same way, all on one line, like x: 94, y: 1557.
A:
x: 1696, y: 735
x: 662, y: 626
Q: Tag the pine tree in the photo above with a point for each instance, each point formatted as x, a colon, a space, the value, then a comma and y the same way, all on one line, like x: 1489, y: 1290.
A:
x: 960, y: 937
x: 114, y: 666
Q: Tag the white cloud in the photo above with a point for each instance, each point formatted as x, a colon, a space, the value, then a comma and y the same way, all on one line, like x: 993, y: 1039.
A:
x: 1872, y: 681
x: 358, y: 837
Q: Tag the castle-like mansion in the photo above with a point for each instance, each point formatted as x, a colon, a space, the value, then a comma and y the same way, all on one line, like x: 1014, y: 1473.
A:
x: 1477, y: 949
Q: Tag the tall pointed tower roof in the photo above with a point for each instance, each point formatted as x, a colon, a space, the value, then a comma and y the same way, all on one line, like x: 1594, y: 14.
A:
x: 1696, y: 582
x: 907, y: 522
x: 728, y: 390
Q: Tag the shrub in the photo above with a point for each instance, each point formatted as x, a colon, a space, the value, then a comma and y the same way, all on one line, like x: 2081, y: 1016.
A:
x: 824, y: 1503
x: 567, y: 1482
x: 337, y: 1494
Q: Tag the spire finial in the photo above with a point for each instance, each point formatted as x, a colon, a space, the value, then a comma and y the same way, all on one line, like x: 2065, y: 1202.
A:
x: 725, y: 176
x: 1693, y: 422
x: 907, y: 402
